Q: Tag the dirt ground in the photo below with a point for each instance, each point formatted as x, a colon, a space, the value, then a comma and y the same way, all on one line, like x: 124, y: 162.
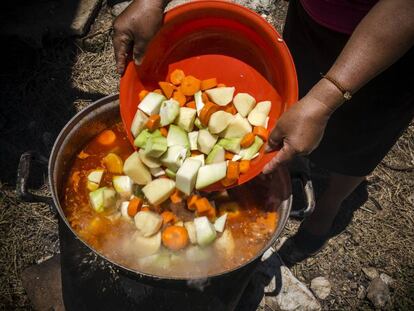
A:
x: 42, y: 89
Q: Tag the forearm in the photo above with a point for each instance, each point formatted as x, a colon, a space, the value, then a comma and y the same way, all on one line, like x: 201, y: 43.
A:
x: 381, y: 38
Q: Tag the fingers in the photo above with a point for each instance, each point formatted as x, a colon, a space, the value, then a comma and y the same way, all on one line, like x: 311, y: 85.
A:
x: 275, y: 140
x: 284, y: 156
x: 122, y: 43
x: 139, y: 50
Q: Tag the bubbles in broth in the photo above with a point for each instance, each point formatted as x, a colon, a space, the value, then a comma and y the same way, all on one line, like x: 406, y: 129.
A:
x: 113, y: 233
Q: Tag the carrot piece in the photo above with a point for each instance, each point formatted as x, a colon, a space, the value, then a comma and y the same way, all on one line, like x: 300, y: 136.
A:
x: 167, y: 88
x: 113, y: 163
x: 180, y: 97
x: 142, y: 94
x: 175, y: 237
x: 195, y: 153
x: 191, y: 104
x: 177, y: 76
x: 247, y: 140
x: 233, y: 170
x: 191, y: 202
x: 168, y: 216
x: 158, y: 91
x: 230, y: 108
x: 153, y: 122
x: 221, y: 85
x: 145, y: 209
x: 106, y: 137
x: 228, y: 155
x: 211, y: 213
x: 164, y: 131
x: 176, y: 197
x: 208, y: 84
x: 228, y: 182
x: 244, y: 166
x: 205, y: 113
x: 190, y: 85
x: 202, y: 205
x: 261, y: 132
x: 134, y: 206
x: 204, y: 97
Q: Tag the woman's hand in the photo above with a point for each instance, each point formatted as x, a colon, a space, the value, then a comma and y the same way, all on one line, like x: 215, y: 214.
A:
x: 134, y: 28
x: 300, y: 129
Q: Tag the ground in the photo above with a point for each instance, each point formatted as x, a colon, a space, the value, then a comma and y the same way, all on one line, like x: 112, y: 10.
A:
x: 44, y: 88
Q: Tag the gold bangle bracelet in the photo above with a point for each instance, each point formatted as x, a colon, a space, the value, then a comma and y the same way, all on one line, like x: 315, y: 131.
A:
x: 346, y: 94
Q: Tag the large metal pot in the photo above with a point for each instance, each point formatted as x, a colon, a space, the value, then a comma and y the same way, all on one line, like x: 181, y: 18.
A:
x: 92, y: 281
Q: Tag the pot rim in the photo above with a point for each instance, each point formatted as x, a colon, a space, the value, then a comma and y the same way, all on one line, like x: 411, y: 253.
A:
x: 107, y: 100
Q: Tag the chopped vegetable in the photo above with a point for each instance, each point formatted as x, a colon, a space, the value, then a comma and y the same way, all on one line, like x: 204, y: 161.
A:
x: 199, y: 157
x: 206, y: 112
x: 225, y: 244
x: 158, y: 91
x: 169, y: 111
x: 138, y: 123
x: 233, y: 171
x: 229, y: 156
x: 124, y: 210
x: 258, y: 116
x: 230, y: 144
x: 238, y: 127
x: 198, y: 99
x: 146, y: 246
x: 156, y: 146
x: 230, y: 108
x: 141, y: 139
x: 228, y: 182
x: 190, y: 85
x: 94, y: 179
x: 186, y: 118
x: 175, y: 237
x: 205, y: 231
x: 174, y: 157
x: 136, y: 170
x: 216, y: 155
x: 247, y: 140
x: 192, y: 137
x: 198, y: 254
x: 250, y: 153
x: 187, y: 174
x: 157, y: 172
x: 168, y: 217
x: 153, y: 122
x: 177, y: 136
x: 142, y: 94
x: 167, y: 88
x: 176, y: 197
x: 177, y: 76
x: 219, y: 121
x: 202, y: 205
x: 189, y: 225
x: 159, y: 190
x: 244, y: 103
x: 220, y: 223
x: 151, y: 162
x: 191, y: 202
x: 134, y: 206
x: 221, y: 96
x: 180, y: 98
x: 198, y: 124
x: 221, y: 85
x: 206, y: 141
x: 170, y: 173
x: 209, y: 174
x: 244, y: 166
x: 147, y: 223
x: 123, y: 185
x: 191, y: 104
x: 113, y: 163
x: 102, y: 199
x: 164, y: 131
x: 151, y: 103
x: 208, y: 84
x: 107, y: 137
x: 261, y: 132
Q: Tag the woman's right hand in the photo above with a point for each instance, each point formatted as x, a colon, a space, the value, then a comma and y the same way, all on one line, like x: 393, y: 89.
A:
x: 134, y: 28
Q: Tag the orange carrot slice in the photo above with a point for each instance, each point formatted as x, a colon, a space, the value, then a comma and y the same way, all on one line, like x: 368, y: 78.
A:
x: 205, y: 114
x: 204, y: 97
x: 107, y: 137
x: 176, y: 197
x: 164, y: 131
x: 153, y: 122
x: 190, y: 85
x: 167, y: 88
x: 134, y: 206
x: 244, y: 166
x: 221, y: 85
x: 180, y: 97
x: 230, y: 108
x: 247, y: 140
x: 233, y: 170
x: 158, y: 91
x: 168, y: 217
x: 142, y: 94
x: 228, y: 182
x: 191, y: 202
x: 202, y: 205
x: 228, y: 155
x: 145, y: 209
x: 177, y: 76
x: 208, y: 84
x: 261, y: 132
x: 191, y: 104
x: 113, y: 163
x: 175, y: 237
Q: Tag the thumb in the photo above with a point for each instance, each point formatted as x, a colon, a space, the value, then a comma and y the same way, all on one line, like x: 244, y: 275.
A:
x: 284, y: 156
x: 275, y: 140
x: 139, y: 50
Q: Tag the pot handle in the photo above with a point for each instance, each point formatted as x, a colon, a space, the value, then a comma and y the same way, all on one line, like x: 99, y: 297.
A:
x: 23, y: 174
x: 299, y: 169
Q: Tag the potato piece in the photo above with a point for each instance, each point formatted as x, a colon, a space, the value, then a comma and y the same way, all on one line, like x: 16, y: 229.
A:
x: 136, y: 170
x: 237, y: 128
x: 148, y: 223
x: 219, y: 121
x: 244, y: 103
x: 221, y: 96
x: 159, y: 190
x: 145, y: 246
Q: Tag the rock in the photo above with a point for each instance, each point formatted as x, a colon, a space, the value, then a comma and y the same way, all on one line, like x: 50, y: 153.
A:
x: 294, y: 295
x: 119, y: 8
x: 370, y: 272
x: 321, y: 287
x: 378, y: 293
x: 387, y: 279
x: 362, y: 292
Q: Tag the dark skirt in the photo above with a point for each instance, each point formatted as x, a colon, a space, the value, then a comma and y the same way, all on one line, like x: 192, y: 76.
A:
x: 361, y: 132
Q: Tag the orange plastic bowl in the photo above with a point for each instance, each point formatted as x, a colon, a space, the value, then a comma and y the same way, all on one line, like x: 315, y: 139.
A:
x: 223, y: 40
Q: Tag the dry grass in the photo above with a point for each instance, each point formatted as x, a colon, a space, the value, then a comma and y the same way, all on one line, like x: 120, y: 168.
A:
x: 380, y: 235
